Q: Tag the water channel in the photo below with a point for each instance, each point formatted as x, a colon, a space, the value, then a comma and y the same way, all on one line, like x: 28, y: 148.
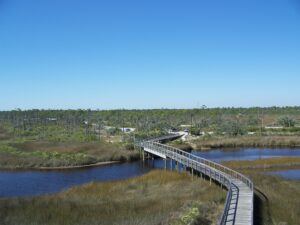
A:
x: 39, y: 182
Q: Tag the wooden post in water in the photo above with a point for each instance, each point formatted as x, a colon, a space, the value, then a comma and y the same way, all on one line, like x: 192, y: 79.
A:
x: 165, y: 163
x: 171, y: 164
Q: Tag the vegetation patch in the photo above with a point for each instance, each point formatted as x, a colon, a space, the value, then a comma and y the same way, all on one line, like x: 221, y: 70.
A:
x: 49, y: 154
x: 269, y: 163
x: 159, y: 197
x: 245, y: 141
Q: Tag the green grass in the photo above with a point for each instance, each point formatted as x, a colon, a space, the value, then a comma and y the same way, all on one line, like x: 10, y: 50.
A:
x: 159, y: 197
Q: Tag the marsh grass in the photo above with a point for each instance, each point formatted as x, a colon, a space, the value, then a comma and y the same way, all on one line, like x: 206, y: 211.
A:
x: 268, y: 163
x: 33, y: 154
x: 282, y: 198
x: 159, y: 197
x: 246, y: 141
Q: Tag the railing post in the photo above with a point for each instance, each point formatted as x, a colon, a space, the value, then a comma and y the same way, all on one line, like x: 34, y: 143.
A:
x: 221, y: 173
x: 143, y: 155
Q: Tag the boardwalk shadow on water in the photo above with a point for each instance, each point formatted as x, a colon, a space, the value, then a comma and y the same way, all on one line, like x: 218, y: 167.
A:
x: 261, y: 214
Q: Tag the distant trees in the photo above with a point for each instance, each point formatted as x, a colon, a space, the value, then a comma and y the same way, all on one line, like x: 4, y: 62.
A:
x: 286, y: 121
x: 88, y: 124
x: 234, y: 128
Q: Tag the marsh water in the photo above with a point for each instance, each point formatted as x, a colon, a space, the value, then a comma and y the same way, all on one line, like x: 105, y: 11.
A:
x: 36, y: 182
x: 293, y: 174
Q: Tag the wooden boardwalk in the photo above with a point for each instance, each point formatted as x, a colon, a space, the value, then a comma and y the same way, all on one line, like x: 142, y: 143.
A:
x: 238, y: 207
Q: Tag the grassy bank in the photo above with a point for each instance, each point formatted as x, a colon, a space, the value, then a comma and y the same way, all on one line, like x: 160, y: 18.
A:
x: 208, y: 142
x: 159, y: 197
x: 28, y: 150
x: 269, y: 163
x: 34, y: 154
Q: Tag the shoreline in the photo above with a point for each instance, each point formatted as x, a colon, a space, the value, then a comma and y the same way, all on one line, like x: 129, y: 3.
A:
x: 61, y: 167
x: 226, y: 147
x: 275, y: 163
x: 246, y: 142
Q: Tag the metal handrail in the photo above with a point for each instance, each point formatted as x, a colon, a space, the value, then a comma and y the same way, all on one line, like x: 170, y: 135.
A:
x: 212, y: 164
x: 205, y: 166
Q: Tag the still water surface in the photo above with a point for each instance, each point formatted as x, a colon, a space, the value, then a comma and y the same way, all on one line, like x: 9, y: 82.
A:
x: 37, y: 182
x: 289, y: 174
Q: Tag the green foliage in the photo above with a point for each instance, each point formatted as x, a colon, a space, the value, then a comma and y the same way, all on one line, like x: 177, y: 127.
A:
x: 195, y: 131
x: 253, y: 120
x: 233, y: 128
x: 89, y: 125
x: 287, y: 121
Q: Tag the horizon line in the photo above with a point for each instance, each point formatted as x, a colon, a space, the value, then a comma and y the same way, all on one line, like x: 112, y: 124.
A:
x: 140, y: 109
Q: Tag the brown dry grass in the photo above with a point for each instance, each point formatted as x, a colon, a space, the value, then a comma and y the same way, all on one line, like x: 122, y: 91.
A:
x: 4, y: 134
x: 159, y: 197
x: 246, y: 141
x: 280, y: 162
x: 282, y: 198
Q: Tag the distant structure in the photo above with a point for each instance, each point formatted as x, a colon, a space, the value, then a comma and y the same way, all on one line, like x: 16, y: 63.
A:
x: 127, y: 129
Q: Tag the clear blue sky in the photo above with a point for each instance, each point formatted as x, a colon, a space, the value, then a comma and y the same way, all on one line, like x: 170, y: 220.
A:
x: 149, y: 53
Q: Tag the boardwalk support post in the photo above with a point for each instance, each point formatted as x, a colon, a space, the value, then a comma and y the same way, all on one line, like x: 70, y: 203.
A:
x: 239, y: 201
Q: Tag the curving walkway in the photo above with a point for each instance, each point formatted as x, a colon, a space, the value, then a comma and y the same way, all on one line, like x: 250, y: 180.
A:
x: 239, y: 201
